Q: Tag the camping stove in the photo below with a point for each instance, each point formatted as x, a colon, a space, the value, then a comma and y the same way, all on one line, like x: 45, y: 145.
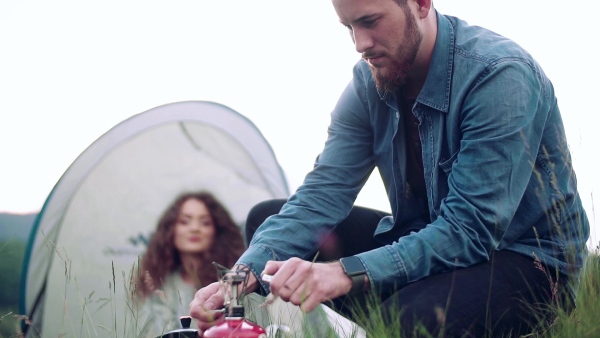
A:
x: 233, y: 283
x: 235, y: 325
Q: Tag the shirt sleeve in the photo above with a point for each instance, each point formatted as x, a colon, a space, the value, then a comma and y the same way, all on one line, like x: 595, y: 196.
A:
x: 328, y: 191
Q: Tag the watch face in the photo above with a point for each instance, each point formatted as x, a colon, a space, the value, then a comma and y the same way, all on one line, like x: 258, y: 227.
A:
x: 353, y: 266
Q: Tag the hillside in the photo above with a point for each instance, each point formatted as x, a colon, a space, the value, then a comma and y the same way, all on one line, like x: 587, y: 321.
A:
x: 16, y: 226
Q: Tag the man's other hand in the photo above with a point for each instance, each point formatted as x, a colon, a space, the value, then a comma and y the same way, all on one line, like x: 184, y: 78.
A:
x: 305, y: 283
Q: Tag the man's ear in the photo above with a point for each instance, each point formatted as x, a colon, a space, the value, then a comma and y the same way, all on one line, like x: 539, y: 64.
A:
x: 424, y: 7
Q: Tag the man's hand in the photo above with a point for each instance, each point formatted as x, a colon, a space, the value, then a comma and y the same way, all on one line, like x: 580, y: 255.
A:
x: 307, y: 284
x: 202, y: 308
x: 211, y: 298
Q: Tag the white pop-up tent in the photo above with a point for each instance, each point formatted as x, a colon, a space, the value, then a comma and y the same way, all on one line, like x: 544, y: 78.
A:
x: 98, y: 218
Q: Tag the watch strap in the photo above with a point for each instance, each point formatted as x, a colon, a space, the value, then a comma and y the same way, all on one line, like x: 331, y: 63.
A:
x: 354, y: 269
x: 358, y: 283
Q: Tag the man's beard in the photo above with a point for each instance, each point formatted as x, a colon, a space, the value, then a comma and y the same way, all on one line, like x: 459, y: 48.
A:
x: 393, y: 77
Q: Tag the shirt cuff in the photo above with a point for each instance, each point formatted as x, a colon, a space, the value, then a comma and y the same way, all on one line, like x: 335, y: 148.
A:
x: 385, y: 268
x: 256, y: 257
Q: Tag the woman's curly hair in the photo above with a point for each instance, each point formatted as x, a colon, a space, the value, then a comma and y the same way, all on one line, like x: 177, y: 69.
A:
x: 162, y: 258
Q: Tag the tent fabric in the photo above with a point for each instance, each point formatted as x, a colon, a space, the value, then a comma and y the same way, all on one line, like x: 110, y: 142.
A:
x: 96, y: 222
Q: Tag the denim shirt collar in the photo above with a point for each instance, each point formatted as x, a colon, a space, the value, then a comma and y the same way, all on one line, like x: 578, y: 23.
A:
x: 440, y: 70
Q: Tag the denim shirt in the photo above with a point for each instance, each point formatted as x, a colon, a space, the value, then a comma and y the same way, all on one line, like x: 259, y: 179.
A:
x: 497, y: 167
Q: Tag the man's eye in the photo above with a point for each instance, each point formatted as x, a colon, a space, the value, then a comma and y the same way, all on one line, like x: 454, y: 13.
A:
x: 348, y: 27
x: 369, y: 23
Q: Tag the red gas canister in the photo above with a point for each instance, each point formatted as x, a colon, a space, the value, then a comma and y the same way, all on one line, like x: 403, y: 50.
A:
x: 236, y: 328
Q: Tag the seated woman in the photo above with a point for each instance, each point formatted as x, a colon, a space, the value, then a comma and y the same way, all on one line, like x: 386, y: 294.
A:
x: 192, y: 233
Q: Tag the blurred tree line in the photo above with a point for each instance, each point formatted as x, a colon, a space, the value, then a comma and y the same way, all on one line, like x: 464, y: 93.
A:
x: 12, y: 252
x: 11, y: 261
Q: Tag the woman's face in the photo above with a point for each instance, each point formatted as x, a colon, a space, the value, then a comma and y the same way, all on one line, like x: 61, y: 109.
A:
x: 194, y: 229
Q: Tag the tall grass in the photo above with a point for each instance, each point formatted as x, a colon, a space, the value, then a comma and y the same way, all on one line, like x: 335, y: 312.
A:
x: 583, y: 321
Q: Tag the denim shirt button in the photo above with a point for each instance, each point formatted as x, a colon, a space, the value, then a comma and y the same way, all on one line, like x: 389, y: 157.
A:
x: 397, y: 114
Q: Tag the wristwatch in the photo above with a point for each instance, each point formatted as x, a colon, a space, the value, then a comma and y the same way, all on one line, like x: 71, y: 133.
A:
x: 354, y: 268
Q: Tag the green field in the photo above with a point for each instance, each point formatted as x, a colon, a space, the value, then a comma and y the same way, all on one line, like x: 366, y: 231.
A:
x: 583, y: 322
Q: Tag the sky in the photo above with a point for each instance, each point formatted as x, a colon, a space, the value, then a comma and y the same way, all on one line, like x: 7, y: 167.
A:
x: 72, y: 70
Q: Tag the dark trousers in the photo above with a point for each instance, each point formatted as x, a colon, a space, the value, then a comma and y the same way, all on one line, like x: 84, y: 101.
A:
x: 507, y: 296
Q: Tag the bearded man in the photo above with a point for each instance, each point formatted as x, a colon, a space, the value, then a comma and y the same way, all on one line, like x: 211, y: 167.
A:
x: 487, y: 229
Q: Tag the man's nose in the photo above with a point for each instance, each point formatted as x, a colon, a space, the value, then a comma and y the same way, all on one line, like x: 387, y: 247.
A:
x: 362, y: 40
